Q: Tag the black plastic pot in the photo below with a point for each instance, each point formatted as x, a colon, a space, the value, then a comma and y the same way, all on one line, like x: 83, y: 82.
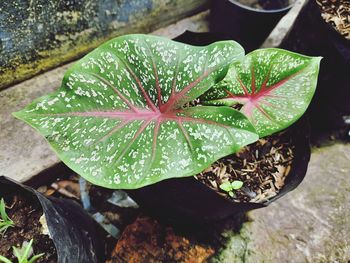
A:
x: 246, y: 25
x: 184, y: 201
x: 311, y: 35
x: 72, y: 230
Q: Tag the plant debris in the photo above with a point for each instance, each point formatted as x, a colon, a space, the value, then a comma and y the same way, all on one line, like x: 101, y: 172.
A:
x: 337, y: 13
x: 148, y: 241
x: 262, y: 167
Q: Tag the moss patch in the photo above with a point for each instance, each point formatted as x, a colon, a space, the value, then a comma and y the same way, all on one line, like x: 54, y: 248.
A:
x: 42, y: 36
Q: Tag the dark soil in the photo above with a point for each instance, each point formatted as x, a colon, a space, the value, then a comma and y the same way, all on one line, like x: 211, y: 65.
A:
x: 266, y: 4
x: 337, y: 13
x: 25, y: 213
x: 261, y: 166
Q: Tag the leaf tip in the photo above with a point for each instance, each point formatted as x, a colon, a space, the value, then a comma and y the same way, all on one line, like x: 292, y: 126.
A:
x: 17, y: 114
x: 317, y: 59
x: 21, y: 115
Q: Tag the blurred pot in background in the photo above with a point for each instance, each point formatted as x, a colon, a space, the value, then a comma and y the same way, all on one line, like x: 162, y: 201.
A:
x: 248, y: 22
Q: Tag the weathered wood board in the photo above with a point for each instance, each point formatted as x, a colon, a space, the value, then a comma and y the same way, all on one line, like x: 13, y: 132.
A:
x: 38, y: 35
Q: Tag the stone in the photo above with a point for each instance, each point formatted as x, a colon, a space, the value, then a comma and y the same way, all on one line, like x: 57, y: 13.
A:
x: 23, y: 152
x: 310, y: 224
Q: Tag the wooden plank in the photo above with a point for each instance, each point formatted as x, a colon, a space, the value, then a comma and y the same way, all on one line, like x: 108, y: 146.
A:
x: 39, y: 35
x: 282, y: 28
x: 23, y: 152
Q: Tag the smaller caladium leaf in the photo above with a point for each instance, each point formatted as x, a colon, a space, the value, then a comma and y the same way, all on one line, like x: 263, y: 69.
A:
x: 119, y: 118
x: 273, y: 86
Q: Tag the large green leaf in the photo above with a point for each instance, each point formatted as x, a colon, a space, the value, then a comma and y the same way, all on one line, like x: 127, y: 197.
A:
x: 274, y: 86
x: 118, y: 119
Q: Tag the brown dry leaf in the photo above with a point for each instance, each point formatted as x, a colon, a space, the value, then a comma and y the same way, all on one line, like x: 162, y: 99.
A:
x: 289, y: 167
x: 50, y: 191
x: 144, y: 241
x: 281, y: 170
x: 262, y: 141
x: 279, y: 176
x: 209, y: 169
x: 214, y: 184
x: 42, y: 189
x: 222, y: 171
x: 337, y: 13
x: 68, y: 188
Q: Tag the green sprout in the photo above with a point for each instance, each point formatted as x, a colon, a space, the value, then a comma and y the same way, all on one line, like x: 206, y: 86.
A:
x: 22, y: 254
x: 5, y: 221
x: 229, y: 187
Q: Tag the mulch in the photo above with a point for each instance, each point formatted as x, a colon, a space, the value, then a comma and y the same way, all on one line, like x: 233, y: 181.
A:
x: 337, y: 13
x: 262, y: 167
x: 146, y: 240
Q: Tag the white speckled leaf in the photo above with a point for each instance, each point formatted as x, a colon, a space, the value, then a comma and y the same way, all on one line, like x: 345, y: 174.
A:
x: 274, y: 86
x: 118, y: 120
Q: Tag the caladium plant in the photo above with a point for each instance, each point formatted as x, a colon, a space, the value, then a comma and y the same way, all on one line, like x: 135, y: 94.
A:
x: 119, y: 118
x: 273, y: 87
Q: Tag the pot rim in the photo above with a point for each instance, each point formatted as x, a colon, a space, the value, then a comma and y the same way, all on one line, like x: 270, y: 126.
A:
x: 280, y: 193
x: 271, y: 11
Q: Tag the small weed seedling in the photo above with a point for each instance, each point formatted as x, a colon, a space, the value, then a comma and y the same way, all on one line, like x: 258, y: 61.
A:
x: 5, y: 221
x: 23, y: 254
x: 231, y: 186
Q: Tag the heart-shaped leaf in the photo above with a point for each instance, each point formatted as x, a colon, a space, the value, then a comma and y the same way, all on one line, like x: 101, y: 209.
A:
x: 273, y: 86
x: 118, y: 120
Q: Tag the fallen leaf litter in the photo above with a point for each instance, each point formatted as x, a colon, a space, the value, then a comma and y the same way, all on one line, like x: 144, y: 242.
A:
x: 262, y: 167
x: 337, y: 13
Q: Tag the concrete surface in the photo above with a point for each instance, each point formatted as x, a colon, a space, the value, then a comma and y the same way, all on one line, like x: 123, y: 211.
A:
x: 310, y: 224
